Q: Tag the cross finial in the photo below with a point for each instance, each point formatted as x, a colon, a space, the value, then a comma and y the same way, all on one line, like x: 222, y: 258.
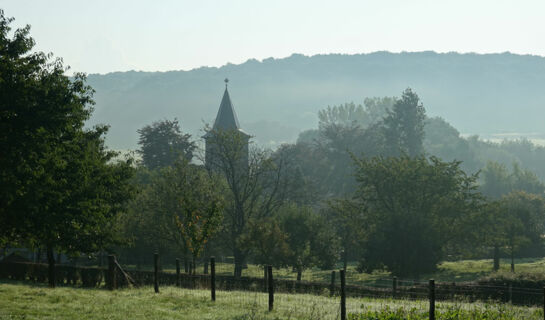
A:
x: 226, y: 82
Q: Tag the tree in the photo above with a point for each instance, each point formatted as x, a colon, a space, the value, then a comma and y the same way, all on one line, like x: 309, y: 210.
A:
x: 162, y: 143
x: 310, y: 239
x: 255, y: 184
x: 267, y: 242
x: 62, y: 189
x: 498, y: 181
x: 414, y: 207
x: 515, y: 221
x: 348, y: 219
x: 404, y: 125
x: 181, y: 209
x: 199, y: 213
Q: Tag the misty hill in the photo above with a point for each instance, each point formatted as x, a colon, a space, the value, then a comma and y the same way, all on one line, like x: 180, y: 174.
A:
x: 277, y: 98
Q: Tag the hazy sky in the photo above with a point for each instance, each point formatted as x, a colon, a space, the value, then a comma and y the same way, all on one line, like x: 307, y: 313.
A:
x: 116, y: 35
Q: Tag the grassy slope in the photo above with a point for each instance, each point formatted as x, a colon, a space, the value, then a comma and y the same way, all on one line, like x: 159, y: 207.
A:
x: 38, y: 302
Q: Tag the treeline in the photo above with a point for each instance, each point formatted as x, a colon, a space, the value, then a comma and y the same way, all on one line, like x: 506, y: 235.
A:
x: 362, y: 187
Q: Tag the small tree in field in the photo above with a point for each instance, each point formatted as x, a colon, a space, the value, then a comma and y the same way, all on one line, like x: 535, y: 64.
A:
x: 182, y: 205
x: 515, y: 221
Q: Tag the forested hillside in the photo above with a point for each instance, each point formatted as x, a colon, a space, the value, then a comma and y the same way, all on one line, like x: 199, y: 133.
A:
x: 277, y: 98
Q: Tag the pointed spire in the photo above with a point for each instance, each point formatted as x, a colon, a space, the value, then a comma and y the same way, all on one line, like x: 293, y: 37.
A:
x: 226, y: 117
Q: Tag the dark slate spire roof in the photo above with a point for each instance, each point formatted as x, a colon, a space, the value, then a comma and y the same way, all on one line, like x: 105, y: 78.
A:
x: 226, y: 118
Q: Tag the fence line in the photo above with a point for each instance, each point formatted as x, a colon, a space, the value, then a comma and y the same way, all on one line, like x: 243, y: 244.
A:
x: 115, y: 277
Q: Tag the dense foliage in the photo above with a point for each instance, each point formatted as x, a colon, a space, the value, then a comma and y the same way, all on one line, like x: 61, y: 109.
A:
x: 162, y: 143
x: 61, y: 188
x: 413, y: 208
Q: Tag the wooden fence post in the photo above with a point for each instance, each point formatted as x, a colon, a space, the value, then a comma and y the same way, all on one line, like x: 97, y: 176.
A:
x: 111, y: 272
x: 332, y: 287
x: 270, y: 281
x: 178, y: 278
x: 432, y: 299
x: 213, y: 278
x: 265, y: 284
x: 343, y: 294
x: 394, y: 287
x: 156, y: 272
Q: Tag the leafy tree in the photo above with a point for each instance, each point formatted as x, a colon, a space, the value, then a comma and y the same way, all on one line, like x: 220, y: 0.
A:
x: 498, y: 181
x: 414, y: 207
x: 62, y: 188
x: 311, y: 240
x: 404, y: 125
x: 294, y: 236
x: 162, y: 143
x: 348, y: 219
x: 444, y: 141
x: 515, y: 221
x: 182, y: 206
x: 267, y: 242
x: 256, y: 185
x: 349, y: 114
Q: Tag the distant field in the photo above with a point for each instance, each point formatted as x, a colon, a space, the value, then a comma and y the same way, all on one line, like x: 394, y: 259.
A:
x: 465, y: 270
x: 24, y: 301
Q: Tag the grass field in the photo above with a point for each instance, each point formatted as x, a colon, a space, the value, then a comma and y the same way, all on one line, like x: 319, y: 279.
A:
x: 464, y: 270
x: 24, y: 301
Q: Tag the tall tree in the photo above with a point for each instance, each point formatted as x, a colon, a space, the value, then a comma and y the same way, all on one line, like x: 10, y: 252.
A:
x: 162, y: 143
x: 414, y: 208
x: 180, y: 209
x: 404, y: 125
x: 256, y: 185
x: 61, y: 187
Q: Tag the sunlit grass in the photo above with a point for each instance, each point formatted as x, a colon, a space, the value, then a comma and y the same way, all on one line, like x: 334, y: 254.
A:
x: 21, y: 300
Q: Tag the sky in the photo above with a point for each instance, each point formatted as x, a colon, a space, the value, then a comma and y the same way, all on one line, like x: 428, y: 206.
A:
x: 104, y: 36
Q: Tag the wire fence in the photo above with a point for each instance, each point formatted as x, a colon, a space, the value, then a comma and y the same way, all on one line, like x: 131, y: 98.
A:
x: 319, y: 299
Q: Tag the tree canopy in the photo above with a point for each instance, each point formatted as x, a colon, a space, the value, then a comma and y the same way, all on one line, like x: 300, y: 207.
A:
x: 162, y: 143
x: 61, y: 187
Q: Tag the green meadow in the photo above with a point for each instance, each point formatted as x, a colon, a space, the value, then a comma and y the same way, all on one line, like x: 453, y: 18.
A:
x: 26, y: 301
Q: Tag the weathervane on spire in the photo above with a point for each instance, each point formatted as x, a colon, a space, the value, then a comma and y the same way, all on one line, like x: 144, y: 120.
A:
x: 226, y: 82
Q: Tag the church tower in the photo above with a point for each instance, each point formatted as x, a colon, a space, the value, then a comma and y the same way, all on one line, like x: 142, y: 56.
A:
x: 227, y: 132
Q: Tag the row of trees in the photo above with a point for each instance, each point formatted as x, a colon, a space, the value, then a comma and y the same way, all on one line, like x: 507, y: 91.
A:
x: 363, y: 189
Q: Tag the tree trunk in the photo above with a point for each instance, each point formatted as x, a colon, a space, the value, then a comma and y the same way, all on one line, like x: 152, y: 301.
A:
x: 239, y: 262
x: 51, y: 267
x: 194, y: 265
x: 345, y: 259
x: 512, y: 259
x: 496, y: 258
x: 205, y: 271
x: 299, y: 273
